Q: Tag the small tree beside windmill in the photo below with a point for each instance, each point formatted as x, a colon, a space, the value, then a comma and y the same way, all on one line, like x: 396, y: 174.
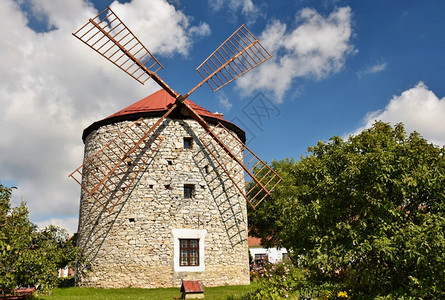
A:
x: 164, y: 180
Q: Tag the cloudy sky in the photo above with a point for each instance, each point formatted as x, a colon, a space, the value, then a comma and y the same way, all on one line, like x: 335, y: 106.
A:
x: 337, y: 66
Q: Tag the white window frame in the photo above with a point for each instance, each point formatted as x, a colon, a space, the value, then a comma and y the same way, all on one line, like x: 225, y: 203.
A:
x: 189, y: 234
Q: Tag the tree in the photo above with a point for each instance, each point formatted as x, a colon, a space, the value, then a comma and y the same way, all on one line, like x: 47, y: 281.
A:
x: 366, y: 213
x: 29, y: 257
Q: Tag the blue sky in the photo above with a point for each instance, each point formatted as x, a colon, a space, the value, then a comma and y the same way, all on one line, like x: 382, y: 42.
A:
x: 337, y: 66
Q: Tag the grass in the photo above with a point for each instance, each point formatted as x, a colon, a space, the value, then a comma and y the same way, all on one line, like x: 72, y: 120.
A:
x: 75, y: 293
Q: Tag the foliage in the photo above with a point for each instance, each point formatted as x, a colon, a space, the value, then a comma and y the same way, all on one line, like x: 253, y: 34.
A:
x: 29, y: 257
x: 286, y: 281
x: 366, y: 213
x: 277, y: 281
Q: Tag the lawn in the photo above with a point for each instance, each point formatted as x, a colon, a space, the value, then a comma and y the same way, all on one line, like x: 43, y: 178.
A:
x: 212, y: 293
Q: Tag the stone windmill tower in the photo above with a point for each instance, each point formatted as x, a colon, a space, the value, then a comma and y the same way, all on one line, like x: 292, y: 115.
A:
x: 163, y: 181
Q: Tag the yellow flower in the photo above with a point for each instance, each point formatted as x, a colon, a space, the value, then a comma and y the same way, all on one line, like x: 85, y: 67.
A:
x: 342, y: 295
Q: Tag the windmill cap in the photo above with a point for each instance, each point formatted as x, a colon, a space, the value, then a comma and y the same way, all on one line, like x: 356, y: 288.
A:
x: 156, y: 105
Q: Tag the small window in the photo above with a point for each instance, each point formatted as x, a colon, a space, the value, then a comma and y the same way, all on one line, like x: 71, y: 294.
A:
x: 189, y: 252
x: 188, y: 191
x: 262, y: 257
x: 188, y: 141
x: 286, y: 257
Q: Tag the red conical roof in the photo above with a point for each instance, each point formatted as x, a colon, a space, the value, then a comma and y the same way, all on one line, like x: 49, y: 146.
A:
x: 155, y: 105
x: 160, y: 101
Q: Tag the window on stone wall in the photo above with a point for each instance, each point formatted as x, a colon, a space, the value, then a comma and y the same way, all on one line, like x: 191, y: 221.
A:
x: 189, y: 189
x: 182, y: 254
x: 188, y: 141
x: 189, y: 252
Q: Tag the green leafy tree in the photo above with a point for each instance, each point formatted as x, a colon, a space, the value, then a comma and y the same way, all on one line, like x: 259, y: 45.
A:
x: 29, y: 257
x: 366, y: 213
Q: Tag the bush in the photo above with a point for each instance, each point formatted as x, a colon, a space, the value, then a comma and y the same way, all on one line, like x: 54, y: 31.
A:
x: 276, y: 281
x: 29, y: 257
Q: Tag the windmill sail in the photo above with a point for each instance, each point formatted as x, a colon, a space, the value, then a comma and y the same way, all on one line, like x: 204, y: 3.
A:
x: 240, y: 53
x: 111, y: 38
x: 110, y: 172
x: 256, y: 171
x: 258, y: 177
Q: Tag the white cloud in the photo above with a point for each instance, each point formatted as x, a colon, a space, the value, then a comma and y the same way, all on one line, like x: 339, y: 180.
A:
x: 246, y: 7
x: 202, y: 30
x: 70, y: 224
x: 224, y: 101
x: 379, y: 67
x: 166, y: 30
x: 52, y: 87
x: 418, y: 108
x: 316, y: 47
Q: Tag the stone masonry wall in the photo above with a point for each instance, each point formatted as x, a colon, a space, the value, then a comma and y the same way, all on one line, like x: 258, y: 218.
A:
x: 134, y: 244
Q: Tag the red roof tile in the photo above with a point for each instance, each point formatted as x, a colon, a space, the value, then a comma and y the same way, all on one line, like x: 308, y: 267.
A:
x: 253, y: 241
x: 160, y: 101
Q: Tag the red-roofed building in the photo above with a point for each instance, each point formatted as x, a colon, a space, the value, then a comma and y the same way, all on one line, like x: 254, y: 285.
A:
x: 260, y: 253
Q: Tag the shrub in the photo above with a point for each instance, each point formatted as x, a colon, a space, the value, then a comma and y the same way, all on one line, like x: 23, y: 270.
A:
x: 28, y: 256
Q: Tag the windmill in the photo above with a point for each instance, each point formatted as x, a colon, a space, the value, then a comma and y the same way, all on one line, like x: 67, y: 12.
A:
x: 113, y: 170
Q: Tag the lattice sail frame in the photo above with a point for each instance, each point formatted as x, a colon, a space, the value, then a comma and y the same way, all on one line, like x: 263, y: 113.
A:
x: 257, y: 181
x: 102, y: 178
x: 111, y: 38
x: 240, y: 53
